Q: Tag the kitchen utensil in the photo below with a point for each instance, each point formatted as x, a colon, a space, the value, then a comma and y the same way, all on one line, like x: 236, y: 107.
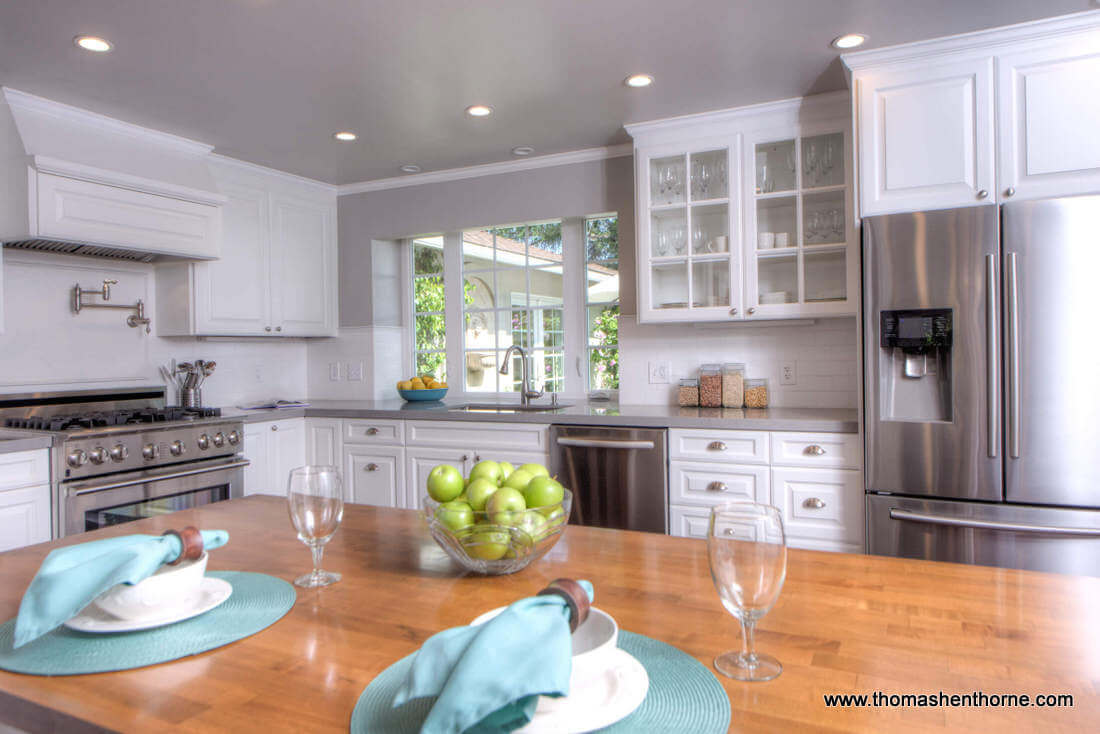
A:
x: 191, y: 397
x: 315, y: 500
x: 747, y: 551
x: 210, y: 593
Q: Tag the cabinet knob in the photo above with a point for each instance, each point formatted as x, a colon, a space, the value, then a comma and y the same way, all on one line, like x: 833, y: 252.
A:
x: 733, y: 312
x: 372, y: 466
x: 1010, y: 191
x: 278, y: 328
x: 372, y: 431
x: 477, y: 458
x: 274, y: 428
x: 813, y: 450
x: 752, y: 310
x: 730, y: 531
x: 464, y: 457
x: 717, y: 446
x: 267, y: 328
x: 717, y: 487
x: 982, y: 194
x: 813, y: 503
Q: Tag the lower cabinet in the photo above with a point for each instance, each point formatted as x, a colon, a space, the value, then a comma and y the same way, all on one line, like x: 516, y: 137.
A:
x: 421, y: 460
x: 24, y: 498
x: 323, y: 441
x: 274, y: 448
x: 375, y: 475
x: 821, y: 508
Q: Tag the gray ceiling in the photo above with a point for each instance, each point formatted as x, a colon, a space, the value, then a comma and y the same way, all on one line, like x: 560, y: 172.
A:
x: 269, y: 81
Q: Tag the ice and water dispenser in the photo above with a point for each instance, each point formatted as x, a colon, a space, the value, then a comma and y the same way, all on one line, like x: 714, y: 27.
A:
x: 915, y: 364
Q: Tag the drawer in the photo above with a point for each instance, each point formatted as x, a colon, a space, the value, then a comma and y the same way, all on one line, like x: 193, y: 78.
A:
x: 24, y: 468
x: 375, y: 476
x: 380, y: 430
x: 493, y: 439
x: 737, y: 447
x: 819, y: 504
x: 688, y: 522
x: 840, y: 450
x: 695, y: 483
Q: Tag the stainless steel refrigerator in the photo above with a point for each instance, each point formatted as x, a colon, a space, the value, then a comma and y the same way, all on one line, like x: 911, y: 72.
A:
x: 982, y: 384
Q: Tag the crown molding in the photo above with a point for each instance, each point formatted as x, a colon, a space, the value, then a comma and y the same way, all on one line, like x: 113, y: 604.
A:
x: 585, y: 155
x: 29, y: 102
x: 256, y: 168
x: 988, y: 40
x: 48, y: 164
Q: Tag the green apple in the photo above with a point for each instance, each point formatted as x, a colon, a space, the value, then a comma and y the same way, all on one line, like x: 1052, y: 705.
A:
x: 533, y: 523
x: 506, y: 506
x: 488, y: 469
x: 455, y: 515
x: 506, y: 470
x: 535, y: 470
x: 554, y: 514
x: 479, y: 491
x: 518, y: 479
x: 444, y: 483
x: 486, y: 546
x: 542, y: 491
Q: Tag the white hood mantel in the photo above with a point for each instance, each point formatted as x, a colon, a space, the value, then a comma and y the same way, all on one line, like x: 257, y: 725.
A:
x: 76, y: 181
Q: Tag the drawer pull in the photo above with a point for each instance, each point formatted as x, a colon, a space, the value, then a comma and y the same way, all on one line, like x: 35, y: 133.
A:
x: 814, y: 450
x: 730, y: 531
x: 372, y: 431
x: 274, y: 428
x: 372, y: 466
x: 813, y: 503
x: 465, y: 457
x: 717, y: 487
x: 717, y: 446
x: 477, y: 458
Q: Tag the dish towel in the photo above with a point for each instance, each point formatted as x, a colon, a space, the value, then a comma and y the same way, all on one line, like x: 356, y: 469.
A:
x: 71, y: 577
x: 488, y: 678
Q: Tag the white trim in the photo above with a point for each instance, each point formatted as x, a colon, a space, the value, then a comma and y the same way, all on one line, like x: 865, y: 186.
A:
x: 989, y: 41
x: 117, y: 179
x: 488, y: 169
x: 23, y: 100
x: 221, y: 159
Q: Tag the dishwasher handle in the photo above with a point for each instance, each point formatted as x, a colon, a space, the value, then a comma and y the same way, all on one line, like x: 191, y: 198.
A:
x: 605, y: 443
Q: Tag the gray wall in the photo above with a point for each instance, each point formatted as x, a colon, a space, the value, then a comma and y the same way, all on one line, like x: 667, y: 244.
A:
x: 367, y: 220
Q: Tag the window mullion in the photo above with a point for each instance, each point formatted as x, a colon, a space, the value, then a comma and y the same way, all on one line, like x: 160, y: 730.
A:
x: 574, y: 360
x: 452, y: 311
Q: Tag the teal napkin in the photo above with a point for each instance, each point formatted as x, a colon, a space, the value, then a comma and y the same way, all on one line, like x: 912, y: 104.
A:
x: 488, y: 678
x: 71, y: 577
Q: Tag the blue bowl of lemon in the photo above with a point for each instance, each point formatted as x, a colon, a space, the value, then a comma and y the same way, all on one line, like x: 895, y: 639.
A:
x: 498, y: 520
x: 422, y: 388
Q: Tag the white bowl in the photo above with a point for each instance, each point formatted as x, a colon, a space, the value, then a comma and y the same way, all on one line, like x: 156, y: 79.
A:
x: 169, y: 587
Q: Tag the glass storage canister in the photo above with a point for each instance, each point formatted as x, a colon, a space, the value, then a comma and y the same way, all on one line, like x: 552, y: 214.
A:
x: 756, y: 393
x: 710, y: 386
x: 733, y: 385
x: 688, y: 394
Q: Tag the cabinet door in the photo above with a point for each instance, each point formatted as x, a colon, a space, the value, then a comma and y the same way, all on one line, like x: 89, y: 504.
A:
x: 24, y: 516
x: 420, y: 461
x: 287, y: 447
x: 323, y: 445
x: 231, y: 293
x: 375, y: 475
x: 1048, y: 114
x: 688, y: 522
x: 712, y: 484
x: 257, y: 475
x: 820, y: 506
x: 303, y: 267
x: 926, y: 137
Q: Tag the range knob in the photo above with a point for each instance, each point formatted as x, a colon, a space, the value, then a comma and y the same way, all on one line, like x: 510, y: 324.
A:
x: 176, y: 448
x: 219, y: 439
x: 234, y: 438
x: 150, y: 451
x: 98, y: 455
x: 119, y: 452
x: 77, y: 458
x: 204, y: 442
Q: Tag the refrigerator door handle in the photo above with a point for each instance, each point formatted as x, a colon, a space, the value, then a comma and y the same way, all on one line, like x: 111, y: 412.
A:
x: 1013, y: 362
x: 957, y: 522
x: 992, y: 396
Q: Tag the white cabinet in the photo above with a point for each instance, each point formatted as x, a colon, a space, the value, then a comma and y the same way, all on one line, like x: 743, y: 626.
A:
x: 24, y: 498
x: 324, y: 444
x: 710, y: 484
x: 375, y: 475
x: 420, y: 460
x: 274, y: 448
x: 303, y: 267
x: 821, y: 508
x: 495, y: 441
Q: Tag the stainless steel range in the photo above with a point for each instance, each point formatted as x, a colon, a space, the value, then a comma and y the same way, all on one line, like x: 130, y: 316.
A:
x: 122, y: 455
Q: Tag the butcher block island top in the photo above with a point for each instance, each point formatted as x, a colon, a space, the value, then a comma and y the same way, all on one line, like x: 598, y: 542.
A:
x: 843, y: 624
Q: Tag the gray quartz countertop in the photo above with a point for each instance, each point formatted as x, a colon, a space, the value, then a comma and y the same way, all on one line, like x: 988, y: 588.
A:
x: 829, y: 420
x: 17, y: 439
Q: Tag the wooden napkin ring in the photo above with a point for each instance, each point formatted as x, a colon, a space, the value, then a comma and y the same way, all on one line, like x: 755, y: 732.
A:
x: 574, y: 595
x: 191, y: 540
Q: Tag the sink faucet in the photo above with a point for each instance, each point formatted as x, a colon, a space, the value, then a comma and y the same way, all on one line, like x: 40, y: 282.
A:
x: 526, y: 394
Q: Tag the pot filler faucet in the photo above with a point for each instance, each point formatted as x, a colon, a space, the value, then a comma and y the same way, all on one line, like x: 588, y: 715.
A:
x: 526, y: 394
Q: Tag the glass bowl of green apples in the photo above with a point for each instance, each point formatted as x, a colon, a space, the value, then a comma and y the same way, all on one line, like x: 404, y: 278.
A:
x: 500, y: 518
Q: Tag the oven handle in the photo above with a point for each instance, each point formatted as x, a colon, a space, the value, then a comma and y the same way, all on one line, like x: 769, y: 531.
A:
x: 159, y: 477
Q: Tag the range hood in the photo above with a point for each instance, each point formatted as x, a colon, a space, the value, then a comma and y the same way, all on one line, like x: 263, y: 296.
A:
x: 76, y: 182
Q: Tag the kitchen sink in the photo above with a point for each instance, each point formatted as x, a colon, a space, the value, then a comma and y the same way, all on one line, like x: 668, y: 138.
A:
x: 509, y: 407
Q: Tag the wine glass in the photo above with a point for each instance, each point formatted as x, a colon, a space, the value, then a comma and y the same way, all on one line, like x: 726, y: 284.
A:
x: 315, y: 501
x: 747, y: 551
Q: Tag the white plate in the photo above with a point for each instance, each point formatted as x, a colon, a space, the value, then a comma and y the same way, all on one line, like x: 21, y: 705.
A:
x: 596, y: 702
x: 211, y: 593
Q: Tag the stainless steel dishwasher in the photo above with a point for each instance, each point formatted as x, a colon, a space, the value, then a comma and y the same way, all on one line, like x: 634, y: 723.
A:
x: 618, y: 476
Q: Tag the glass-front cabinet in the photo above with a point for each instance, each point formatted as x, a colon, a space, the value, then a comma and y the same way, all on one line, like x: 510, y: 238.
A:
x: 746, y: 216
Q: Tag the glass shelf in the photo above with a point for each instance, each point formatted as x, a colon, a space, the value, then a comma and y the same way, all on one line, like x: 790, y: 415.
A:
x: 666, y: 180
x: 775, y: 167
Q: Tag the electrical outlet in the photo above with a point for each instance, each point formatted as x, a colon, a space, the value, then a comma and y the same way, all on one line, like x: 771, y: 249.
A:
x: 355, y: 371
x: 788, y: 375
x: 659, y: 373
x: 334, y: 371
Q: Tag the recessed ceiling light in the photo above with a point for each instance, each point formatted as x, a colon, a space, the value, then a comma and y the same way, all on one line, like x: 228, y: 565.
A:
x: 638, y: 80
x: 849, y: 40
x: 345, y: 135
x: 410, y: 168
x: 479, y: 110
x: 523, y: 150
x: 93, y: 43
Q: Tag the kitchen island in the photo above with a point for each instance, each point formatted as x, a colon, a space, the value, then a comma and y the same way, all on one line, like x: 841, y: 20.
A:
x: 843, y: 624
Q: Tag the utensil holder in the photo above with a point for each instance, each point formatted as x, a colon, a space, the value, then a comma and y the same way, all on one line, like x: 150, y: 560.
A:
x: 191, y: 397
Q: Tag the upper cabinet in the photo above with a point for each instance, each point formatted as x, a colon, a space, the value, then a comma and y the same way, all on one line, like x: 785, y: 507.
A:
x: 277, y: 272
x: 992, y: 116
x: 744, y: 214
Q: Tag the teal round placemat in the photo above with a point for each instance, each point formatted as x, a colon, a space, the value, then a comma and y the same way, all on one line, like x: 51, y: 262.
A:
x: 684, y: 696
x: 257, y: 601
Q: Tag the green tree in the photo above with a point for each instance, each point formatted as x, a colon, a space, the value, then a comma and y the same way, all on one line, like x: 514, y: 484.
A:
x: 605, y: 360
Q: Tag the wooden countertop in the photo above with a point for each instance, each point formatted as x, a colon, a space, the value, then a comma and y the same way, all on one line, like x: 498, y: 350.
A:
x: 844, y: 624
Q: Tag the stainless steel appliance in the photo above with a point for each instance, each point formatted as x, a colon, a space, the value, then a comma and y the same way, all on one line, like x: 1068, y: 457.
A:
x: 122, y: 455
x: 619, y: 476
x: 981, y: 402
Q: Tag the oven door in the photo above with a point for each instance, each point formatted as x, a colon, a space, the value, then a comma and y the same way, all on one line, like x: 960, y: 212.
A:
x: 103, y: 501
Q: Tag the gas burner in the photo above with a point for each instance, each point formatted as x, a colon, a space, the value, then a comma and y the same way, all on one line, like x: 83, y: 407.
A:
x: 102, y: 419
